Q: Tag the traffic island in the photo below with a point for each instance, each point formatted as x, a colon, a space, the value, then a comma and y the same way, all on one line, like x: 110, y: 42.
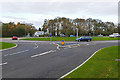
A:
x: 7, y: 46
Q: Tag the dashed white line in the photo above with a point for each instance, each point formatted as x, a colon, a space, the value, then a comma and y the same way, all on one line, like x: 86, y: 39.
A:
x: 6, y: 55
x: 78, y: 44
x: 65, y: 48
x: 87, y: 44
x: 19, y: 52
x: 16, y: 53
x: 43, y: 53
x: 3, y: 63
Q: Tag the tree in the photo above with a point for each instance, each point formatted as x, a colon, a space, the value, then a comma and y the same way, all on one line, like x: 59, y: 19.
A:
x: 39, y: 29
x: 20, y: 30
x: 68, y: 26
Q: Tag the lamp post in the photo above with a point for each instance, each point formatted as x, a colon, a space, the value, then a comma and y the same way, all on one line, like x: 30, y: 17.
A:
x: 77, y: 31
x: 89, y: 27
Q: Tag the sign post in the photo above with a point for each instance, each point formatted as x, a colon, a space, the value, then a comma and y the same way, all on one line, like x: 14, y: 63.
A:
x: 63, y: 42
x: 50, y: 36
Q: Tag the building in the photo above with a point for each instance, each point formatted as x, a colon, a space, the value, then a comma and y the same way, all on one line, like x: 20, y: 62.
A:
x: 38, y: 33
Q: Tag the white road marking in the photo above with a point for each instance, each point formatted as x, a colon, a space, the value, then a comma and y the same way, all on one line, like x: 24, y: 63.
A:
x: 3, y: 63
x: 6, y: 55
x: 78, y: 44
x: 53, y: 43
x: 36, y: 46
x: 43, y: 53
x: 65, y: 48
x: 75, y: 46
x: 69, y: 46
x: 58, y: 46
x: 16, y: 52
x: 88, y: 44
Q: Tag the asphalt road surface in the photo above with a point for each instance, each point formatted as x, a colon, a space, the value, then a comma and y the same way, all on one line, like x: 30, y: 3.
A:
x: 45, y: 59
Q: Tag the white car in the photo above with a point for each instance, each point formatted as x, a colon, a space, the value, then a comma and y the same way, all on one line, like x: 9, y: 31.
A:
x: 114, y: 35
x: 111, y: 35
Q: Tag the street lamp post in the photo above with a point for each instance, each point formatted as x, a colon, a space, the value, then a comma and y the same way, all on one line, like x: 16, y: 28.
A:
x: 77, y: 32
x: 89, y: 26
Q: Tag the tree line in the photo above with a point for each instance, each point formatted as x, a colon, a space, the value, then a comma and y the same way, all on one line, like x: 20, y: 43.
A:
x: 11, y: 29
x: 66, y: 26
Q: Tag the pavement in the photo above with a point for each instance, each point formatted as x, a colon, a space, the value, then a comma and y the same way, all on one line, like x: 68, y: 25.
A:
x: 47, y: 59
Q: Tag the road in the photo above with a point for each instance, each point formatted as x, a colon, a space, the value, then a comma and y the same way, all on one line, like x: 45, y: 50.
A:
x: 45, y: 59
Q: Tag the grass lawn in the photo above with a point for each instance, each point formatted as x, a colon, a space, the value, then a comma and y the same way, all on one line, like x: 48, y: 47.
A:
x: 5, y: 45
x: 5, y: 37
x: 69, y: 38
x: 101, y: 65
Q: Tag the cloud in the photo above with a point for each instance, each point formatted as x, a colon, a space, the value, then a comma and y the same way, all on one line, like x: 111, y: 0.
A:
x: 13, y: 17
x: 55, y: 7
x: 35, y: 12
x: 59, y: 0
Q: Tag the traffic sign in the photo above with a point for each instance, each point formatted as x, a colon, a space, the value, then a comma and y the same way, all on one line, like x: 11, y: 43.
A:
x: 63, y: 42
x: 50, y: 34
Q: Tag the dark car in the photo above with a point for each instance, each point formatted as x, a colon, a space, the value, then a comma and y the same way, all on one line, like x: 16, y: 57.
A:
x: 14, y: 38
x: 84, y: 38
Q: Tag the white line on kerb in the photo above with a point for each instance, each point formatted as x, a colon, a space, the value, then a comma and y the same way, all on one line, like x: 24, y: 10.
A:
x: 3, y: 63
x: 43, y: 53
x: 79, y: 65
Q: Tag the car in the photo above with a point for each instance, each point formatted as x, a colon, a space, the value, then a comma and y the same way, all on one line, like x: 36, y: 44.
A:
x: 111, y: 35
x: 72, y: 35
x: 84, y: 38
x: 62, y: 35
x: 14, y: 38
x: 100, y: 35
x: 114, y: 35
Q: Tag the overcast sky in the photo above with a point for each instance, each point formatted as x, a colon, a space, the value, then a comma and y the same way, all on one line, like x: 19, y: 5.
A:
x: 35, y: 11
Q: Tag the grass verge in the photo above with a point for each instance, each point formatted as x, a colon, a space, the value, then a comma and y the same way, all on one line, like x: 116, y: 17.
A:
x: 102, y: 65
x: 5, y: 45
x: 69, y: 38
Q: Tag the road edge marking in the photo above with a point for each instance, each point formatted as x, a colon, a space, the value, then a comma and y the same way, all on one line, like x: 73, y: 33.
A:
x: 3, y: 63
x: 9, y: 48
x: 80, y: 64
